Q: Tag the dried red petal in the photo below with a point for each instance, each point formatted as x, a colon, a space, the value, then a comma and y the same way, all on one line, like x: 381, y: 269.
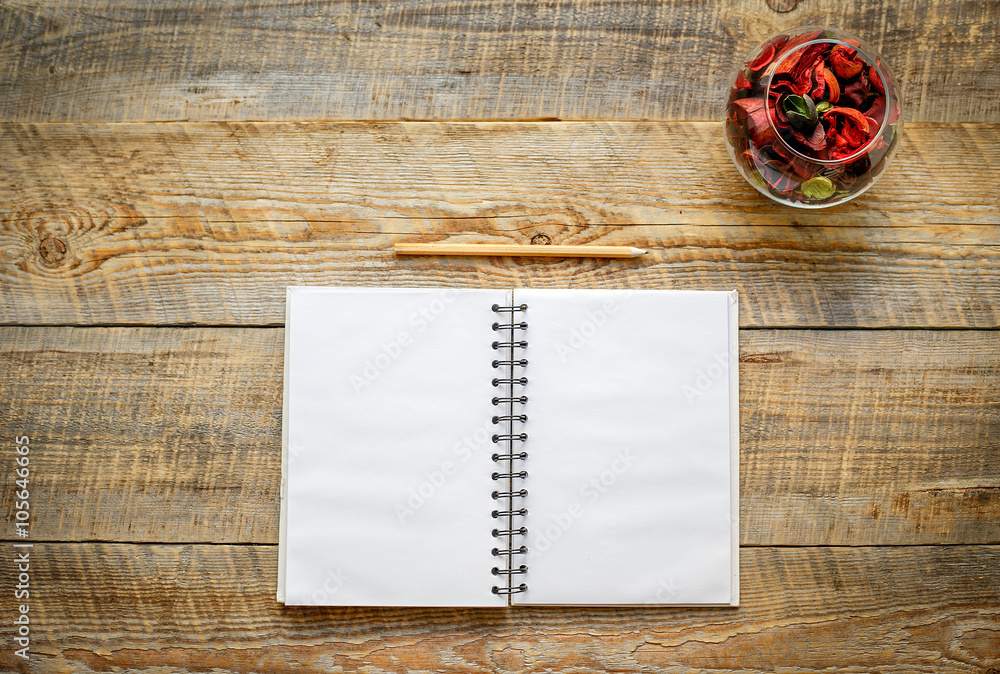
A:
x: 803, y: 83
x: 755, y: 115
x: 849, y: 129
x: 820, y: 78
x: 779, y: 177
x: 856, y: 137
x: 815, y: 141
x: 763, y: 162
x: 876, y: 81
x: 845, y: 180
x: 779, y: 89
x: 803, y: 167
x: 742, y: 82
x: 797, y: 61
x: 778, y: 116
x: 778, y: 42
x: 802, y: 39
x: 851, y: 114
x: 749, y: 105
x: 840, y: 153
x: 770, y: 168
x: 845, y: 61
x: 788, y: 65
x: 872, y: 127
x: 798, y: 165
x: 892, y: 111
x: 763, y: 60
x: 810, y: 56
x: 877, y: 111
x: 832, y: 141
x: 832, y: 86
x: 857, y: 90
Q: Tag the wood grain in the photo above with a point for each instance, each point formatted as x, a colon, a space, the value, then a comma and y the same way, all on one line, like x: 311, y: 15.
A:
x: 207, y: 223
x: 94, y: 60
x: 173, y: 434
x: 135, y: 192
x: 193, y: 608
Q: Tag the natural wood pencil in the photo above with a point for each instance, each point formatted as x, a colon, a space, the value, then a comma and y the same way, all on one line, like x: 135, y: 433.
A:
x: 498, y: 250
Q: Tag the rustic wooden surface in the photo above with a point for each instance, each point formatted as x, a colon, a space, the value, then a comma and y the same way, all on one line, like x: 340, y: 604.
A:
x: 155, y: 463
x: 207, y: 223
x: 95, y: 60
x: 166, y: 169
x: 210, y: 608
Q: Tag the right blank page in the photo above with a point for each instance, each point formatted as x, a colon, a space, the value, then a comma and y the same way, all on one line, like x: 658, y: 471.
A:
x: 632, y: 447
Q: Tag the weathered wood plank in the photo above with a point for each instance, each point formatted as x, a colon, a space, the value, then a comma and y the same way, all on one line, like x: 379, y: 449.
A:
x: 206, y: 223
x: 192, y: 608
x: 847, y: 438
x: 93, y: 60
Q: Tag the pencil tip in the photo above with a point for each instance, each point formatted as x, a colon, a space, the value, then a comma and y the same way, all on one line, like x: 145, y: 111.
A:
x: 636, y: 252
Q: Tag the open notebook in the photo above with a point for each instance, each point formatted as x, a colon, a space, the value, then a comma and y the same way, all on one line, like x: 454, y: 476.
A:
x: 450, y: 447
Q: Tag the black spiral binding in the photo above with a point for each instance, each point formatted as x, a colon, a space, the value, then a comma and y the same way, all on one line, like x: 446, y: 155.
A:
x: 510, y: 394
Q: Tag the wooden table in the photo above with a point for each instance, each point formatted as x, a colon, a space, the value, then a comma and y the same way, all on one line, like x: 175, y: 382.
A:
x: 166, y: 170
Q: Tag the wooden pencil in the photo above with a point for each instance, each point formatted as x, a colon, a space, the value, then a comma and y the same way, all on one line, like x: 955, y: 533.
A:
x: 500, y: 250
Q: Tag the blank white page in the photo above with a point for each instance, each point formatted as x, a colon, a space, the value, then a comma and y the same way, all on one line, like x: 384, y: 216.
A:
x: 632, y: 447
x: 387, y: 452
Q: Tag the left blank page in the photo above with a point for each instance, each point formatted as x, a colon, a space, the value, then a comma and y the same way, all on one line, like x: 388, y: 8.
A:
x: 387, y: 448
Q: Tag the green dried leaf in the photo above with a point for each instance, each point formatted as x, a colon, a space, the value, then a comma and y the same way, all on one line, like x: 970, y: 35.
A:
x: 823, y: 107
x: 819, y: 187
x: 800, y: 111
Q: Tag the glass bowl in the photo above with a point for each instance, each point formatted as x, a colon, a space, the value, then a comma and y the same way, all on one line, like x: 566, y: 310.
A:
x: 813, y: 117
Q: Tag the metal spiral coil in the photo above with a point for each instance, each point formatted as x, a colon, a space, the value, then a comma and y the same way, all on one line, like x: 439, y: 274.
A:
x: 501, y: 400
x: 509, y: 345
x: 510, y: 590
x: 510, y: 417
x: 509, y: 474
x: 508, y: 572
x: 516, y: 455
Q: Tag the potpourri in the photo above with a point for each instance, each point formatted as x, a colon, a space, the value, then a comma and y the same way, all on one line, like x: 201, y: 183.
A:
x: 812, y: 119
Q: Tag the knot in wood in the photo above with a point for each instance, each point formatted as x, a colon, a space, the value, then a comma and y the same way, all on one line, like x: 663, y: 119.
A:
x: 52, y: 249
x: 541, y: 239
x: 782, y: 6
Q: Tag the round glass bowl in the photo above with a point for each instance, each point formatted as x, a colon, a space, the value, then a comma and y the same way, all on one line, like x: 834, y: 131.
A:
x: 813, y: 117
